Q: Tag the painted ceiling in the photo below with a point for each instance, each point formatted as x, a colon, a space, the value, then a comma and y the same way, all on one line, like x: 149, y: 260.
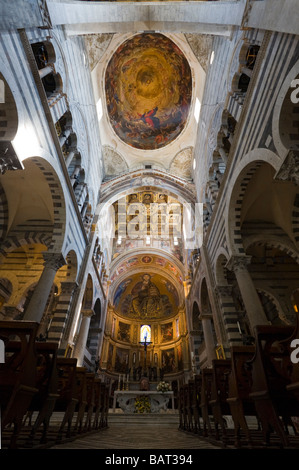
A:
x: 148, y: 86
x: 147, y: 261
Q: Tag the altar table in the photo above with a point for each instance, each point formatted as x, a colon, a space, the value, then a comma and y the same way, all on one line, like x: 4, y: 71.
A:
x: 126, y: 400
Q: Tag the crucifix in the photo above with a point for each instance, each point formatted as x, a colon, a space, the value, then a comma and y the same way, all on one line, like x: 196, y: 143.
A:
x: 145, y: 344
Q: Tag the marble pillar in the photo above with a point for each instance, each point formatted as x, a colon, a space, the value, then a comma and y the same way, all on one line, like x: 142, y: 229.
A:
x: 255, y: 312
x: 82, y: 336
x: 37, y: 304
x: 206, y: 320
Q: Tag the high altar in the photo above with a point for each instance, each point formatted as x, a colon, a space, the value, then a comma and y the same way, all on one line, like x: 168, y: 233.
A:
x: 158, y: 401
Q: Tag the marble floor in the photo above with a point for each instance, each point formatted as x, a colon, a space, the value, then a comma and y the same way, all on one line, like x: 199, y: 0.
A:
x: 137, y: 436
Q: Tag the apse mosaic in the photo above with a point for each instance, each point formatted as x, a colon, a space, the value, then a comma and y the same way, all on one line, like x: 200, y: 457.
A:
x: 146, y: 296
x: 148, y: 86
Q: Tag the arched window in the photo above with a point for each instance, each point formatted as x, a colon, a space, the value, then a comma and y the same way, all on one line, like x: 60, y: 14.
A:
x: 145, y: 333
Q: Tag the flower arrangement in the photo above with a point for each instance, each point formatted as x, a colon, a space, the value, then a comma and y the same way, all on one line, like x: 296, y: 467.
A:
x: 163, y: 387
x: 142, y: 405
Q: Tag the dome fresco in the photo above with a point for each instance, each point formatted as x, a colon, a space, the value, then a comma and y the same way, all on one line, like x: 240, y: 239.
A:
x: 148, y: 86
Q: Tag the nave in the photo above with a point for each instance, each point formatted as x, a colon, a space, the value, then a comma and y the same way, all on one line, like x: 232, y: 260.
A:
x: 139, y: 436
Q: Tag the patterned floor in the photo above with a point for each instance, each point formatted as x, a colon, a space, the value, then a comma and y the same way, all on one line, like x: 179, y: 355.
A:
x: 138, y: 437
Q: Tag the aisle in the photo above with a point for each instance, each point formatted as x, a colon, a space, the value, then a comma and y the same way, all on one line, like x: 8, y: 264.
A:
x: 137, y: 436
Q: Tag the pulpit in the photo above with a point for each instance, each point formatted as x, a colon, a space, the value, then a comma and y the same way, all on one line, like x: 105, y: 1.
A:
x: 158, y: 401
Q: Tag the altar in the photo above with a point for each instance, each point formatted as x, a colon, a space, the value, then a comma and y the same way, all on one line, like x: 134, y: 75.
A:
x: 158, y: 401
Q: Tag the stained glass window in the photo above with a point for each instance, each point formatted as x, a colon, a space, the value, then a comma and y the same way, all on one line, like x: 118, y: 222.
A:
x: 145, y: 333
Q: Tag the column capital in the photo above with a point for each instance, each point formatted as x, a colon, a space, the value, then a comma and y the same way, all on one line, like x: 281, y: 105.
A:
x: 68, y: 287
x: 12, y: 311
x: 225, y: 290
x: 88, y: 312
x: 289, y: 171
x: 238, y: 263
x: 53, y: 260
x: 205, y: 316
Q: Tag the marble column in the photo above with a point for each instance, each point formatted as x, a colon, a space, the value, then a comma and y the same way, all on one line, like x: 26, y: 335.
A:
x: 206, y: 320
x: 60, y: 315
x: 70, y: 157
x: 45, y: 71
x: 37, y: 304
x: 65, y: 135
x: 75, y: 174
x: 230, y: 315
x: 82, y: 336
x: 255, y: 312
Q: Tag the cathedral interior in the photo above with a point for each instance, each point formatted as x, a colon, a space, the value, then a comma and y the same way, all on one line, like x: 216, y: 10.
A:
x: 149, y: 235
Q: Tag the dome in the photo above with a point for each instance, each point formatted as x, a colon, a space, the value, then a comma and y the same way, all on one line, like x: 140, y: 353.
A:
x: 148, y: 85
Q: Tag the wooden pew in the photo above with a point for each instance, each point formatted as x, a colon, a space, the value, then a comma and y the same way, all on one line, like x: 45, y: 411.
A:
x: 90, y: 398
x: 240, y: 383
x: 181, y: 408
x: 97, y: 403
x: 269, y: 382
x: 188, y: 404
x: 221, y: 369
x: 67, y: 400
x: 186, y: 426
x: 196, y: 403
x: 205, y: 406
x: 17, y: 374
x: 81, y: 395
x: 105, y: 408
x: 47, y: 385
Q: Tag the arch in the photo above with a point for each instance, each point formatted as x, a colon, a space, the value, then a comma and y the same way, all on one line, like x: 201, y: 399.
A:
x: 44, y: 53
x: 53, y: 84
x: 205, y: 304
x: 94, y: 329
x: 39, y: 193
x: 279, y: 240
x: 239, y: 182
x: 8, y: 112
x: 87, y: 302
x: 222, y: 258
x: 69, y: 271
x: 136, y: 181
x: 196, y: 323
x: 271, y: 295
x: 285, y: 90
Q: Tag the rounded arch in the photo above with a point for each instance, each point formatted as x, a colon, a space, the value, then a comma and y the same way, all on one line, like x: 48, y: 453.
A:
x: 39, y: 193
x: 196, y: 323
x: 87, y: 302
x: 70, y: 270
x: 8, y: 112
x: 222, y: 258
x: 205, y: 304
x: 53, y: 84
x: 239, y: 183
x: 279, y: 241
x: 280, y: 317
x: 44, y: 53
x: 137, y: 181
x: 283, y: 109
